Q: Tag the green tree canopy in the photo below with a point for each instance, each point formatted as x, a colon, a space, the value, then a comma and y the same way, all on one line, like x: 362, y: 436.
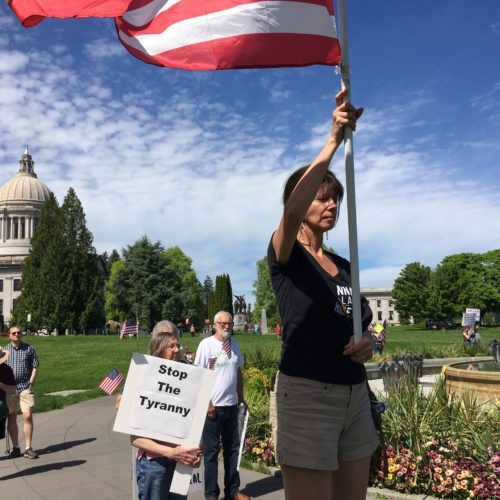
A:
x: 62, y: 286
x: 468, y: 280
x: 82, y: 281
x: 207, y: 290
x: 264, y: 294
x: 221, y: 298
x: 190, y: 293
x: 411, y: 292
x: 153, y: 283
x: 458, y: 282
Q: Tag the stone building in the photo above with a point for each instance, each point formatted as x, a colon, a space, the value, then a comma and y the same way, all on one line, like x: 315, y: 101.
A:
x: 21, y: 199
x: 381, y: 304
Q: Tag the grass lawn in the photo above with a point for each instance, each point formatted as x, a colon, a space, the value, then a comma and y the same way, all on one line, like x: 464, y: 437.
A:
x: 81, y: 362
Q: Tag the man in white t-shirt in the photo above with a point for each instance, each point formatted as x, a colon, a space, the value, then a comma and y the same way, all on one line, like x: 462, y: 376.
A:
x: 222, y: 354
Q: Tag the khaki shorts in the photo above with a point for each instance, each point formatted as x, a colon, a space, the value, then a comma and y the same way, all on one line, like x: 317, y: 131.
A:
x: 26, y: 401
x: 317, y: 425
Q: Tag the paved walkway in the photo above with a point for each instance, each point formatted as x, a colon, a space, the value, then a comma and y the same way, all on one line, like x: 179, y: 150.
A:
x: 81, y: 458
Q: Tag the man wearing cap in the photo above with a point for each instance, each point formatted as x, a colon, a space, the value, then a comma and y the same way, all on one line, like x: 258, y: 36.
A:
x: 24, y: 364
x: 7, y: 385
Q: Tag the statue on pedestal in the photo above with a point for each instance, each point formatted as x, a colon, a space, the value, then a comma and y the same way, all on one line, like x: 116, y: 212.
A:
x: 240, y: 311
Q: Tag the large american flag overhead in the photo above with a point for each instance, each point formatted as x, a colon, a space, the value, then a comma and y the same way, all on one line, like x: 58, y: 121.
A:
x: 209, y: 34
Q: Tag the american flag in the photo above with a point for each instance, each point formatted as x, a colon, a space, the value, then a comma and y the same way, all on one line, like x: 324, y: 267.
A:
x: 111, y: 382
x: 130, y: 326
x: 226, y: 347
x: 209, y: 34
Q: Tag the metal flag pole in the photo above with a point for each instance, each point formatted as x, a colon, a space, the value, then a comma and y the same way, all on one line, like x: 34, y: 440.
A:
x: 349, y: 173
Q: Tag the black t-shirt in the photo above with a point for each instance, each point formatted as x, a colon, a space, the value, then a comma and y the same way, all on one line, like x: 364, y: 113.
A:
x: 316, y: 312
x: 7, y: 377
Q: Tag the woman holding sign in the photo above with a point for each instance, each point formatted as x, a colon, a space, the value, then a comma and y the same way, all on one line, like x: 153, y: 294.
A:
x: 322, y: 425
x: 156, y: 461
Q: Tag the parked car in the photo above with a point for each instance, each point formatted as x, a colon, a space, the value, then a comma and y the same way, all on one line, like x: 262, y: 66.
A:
x: 437, y: 324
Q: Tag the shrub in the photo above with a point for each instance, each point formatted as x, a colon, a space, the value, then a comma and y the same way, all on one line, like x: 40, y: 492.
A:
x: 262, y: 358
x: 441, y: 445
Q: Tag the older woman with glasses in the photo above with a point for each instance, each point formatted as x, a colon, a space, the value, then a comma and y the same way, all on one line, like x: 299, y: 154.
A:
x: 322, y: 426
x: 156, y: 460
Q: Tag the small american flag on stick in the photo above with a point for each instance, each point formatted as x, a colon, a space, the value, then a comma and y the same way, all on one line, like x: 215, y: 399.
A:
x: 111, y: 382
x: 129, y: 327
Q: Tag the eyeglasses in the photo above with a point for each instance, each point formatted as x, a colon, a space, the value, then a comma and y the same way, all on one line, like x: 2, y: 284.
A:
x: 224, y: 324
x: 16, y: 333
x: 173, y: 346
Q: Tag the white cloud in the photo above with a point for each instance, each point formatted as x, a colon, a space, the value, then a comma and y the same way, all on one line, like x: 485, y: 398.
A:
x: 103, y: 48
x: 12, y: 61
x: 199, y: 160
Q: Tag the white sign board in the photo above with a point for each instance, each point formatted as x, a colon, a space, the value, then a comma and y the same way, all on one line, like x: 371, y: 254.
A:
x: 242, y: 429
x: 468, y: 319
x: 166, y: 401
x: 473, y: 310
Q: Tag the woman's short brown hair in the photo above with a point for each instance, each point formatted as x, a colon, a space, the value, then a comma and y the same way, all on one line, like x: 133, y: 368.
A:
x: 158, y: 343
x: 330, y: 184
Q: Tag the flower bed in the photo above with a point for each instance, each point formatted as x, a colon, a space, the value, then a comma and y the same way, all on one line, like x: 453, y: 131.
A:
x: 437, y: 445
x: 440, y: 472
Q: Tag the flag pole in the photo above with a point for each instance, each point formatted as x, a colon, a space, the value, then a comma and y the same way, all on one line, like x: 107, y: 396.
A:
x: 349, y: 173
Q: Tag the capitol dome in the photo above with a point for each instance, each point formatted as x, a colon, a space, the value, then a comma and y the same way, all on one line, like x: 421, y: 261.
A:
x: 24, y: 186
x: 21, y: 201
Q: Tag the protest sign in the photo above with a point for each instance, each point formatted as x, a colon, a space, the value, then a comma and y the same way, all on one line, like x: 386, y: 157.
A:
x: 475, y: 311
x: 468, y: 319
x: 166, y: 401
x: 242, y: 430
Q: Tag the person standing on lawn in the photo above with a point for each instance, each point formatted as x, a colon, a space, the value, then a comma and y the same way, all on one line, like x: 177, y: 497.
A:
x: 24, y: 364
x: 222, y: 354
x: 7, y: 386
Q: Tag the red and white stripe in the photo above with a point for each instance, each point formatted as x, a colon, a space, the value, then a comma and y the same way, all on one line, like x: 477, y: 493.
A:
x: 32, y: 12
x: 224, y: 34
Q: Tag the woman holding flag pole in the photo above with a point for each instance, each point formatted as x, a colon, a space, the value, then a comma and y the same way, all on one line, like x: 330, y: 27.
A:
x: 320, y: 409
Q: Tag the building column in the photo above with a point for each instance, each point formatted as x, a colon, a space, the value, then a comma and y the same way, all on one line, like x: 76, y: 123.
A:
x: 11, y: 227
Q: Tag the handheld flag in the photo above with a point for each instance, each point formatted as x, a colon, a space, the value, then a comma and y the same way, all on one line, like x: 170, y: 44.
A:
x: 209, y: 34
x: 129, y: 327
x: 111, y: 382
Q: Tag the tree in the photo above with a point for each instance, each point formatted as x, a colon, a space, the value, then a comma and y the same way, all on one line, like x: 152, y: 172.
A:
x: 110, y: 259
x: 491, y: 263
x: 62, y: 285
x: 42, y: 269
x: 190, y: 293
x: 411, y: 292
x: 112, y: 305
x: 207, y: 290
x: 82, y: 303
x: 143, y: 286
x: 227, y: 295
x: 264, y: 294
x: 222, y: 297
x: 153, y: 284
x: 468, y: 280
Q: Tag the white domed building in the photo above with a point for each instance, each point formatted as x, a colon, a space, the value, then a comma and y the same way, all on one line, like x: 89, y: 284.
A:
x: 21, y: 200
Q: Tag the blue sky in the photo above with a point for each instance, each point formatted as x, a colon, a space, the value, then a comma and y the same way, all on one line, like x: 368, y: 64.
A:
x: 199, y: 159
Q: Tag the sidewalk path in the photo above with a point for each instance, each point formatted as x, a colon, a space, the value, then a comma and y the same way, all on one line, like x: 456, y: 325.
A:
x: 81, y: 458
